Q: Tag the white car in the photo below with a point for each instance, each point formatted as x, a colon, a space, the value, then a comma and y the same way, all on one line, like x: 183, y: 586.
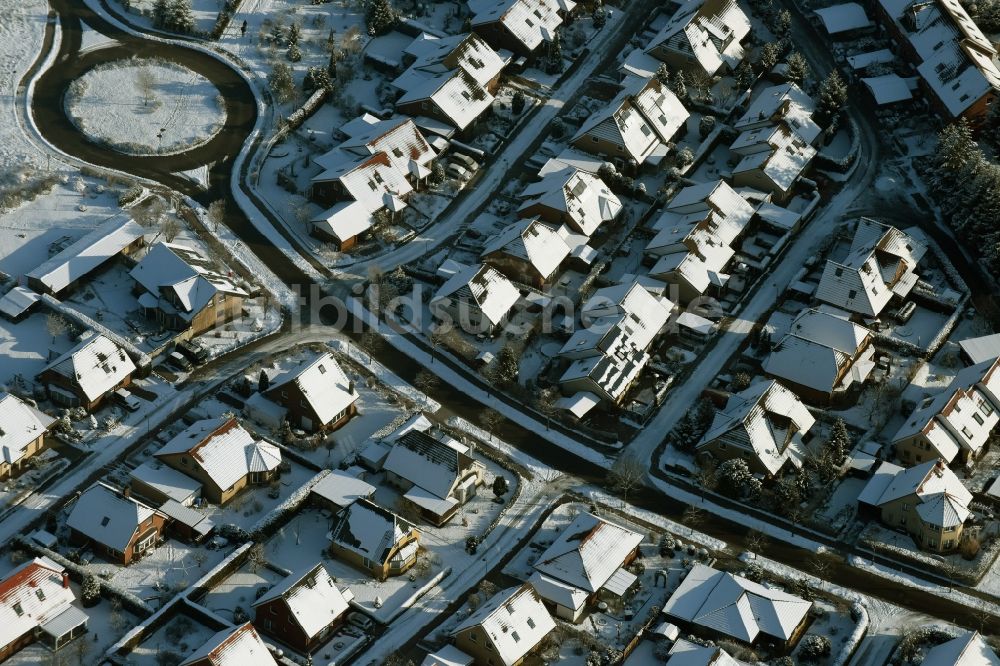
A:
x: 456, y: 171
x: 127, y: 400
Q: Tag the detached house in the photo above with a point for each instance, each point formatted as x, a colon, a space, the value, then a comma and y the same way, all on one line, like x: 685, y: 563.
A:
x: 528, y: 252
x: 715, y: 602
x: 687, y: 653
x: 957, y: 422
x: 451, y: 79
x: 505, y: 629
x: 587, y: 560
x: 303, y: 610
x: 86, y: 374
x: 317, y: 396
x: 704, y: 36
x: 968, y: 649
x: 520, y: 26
x: 118, y: 526
x: 957, y: 63
x: 765, y: 425
x: 183, y: 291
x: 240, y: 646
x: 580, y: 200
x: 823, y: 356
x: 435, y: 476
x: 36, y: 604
x: 773, y: 160
x: 610, y: 350
x: 927, y: 500
x: 785, y: 104
x: 879, y: 266
x: 374, y: 539
x: 222, y: 456
x: 636, y: 125
x: 477, y: 299
x: 22, y: 433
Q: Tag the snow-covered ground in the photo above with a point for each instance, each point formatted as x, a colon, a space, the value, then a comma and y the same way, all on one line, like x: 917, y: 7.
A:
x: 146, y: 106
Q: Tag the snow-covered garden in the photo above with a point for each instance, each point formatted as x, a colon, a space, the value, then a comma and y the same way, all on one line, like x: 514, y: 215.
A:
x: 146, y: 106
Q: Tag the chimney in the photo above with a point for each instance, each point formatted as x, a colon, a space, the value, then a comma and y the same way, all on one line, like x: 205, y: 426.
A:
x: 65, y: 579
x: 350, y: 386
x: 127, y: 492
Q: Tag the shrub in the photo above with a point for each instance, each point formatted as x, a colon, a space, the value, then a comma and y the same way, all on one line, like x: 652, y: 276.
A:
x: 814, y: 647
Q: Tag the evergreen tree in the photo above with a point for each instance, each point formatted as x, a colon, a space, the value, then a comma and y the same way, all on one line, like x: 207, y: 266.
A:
x: 380, y: 16
x: 769, y: 54
x: 955, y: 146
x: 679, y: 85
x: 743, y: 76
x: 554, y: 62
x: 663, y: 74
x: 517, y: 103
x: 736, y: 479
x: 293, y: 34
x: 499, y: 486
x: 316, y: 78
x: 160, y: 13
x: 798, y: 68
x: 600, y: 17
x: 832, y: 97
x: 783, y: 26
x: 507, y: 366
x: 281, y: 82
x: 180, y: 17
x: 263, y: 382
x: 293, y: 53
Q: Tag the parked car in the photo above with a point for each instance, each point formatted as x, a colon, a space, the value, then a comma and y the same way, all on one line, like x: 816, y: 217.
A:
x: 192, y: 351
x: 179, y: 361
x: 457, y: 171
x: 360, y: 620
x: 466, y: 161
x: 127, y: 400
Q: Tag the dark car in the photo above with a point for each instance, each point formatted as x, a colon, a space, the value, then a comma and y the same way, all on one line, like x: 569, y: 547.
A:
x: 192, y: 351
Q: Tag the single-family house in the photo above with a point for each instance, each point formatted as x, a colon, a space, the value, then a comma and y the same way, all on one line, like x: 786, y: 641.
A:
x: 957, y: 63
x: 374, y: 539
x: 451, y: 79
x: 586, y: 560
x: 717, y: 602
x: 449, y: 655
x: 784, y: 104
x: 879, y: 266
x: 578, y: 199
x: 772, y: 160
x: 222, y: 456
x: 765, y: 424
x: 979, y: 349
x: 688, y: 653
x: 436, y: 476
x: 156, y: 483
x: 118, y: 237
x: 505, y: 629
x: 341, y: 488
x: 303, y: 610
x: 610, y: 349
x: 239, y: 646
x: 36, y: 604
x: 86, y: 374
x: 316, y: 395
x: 956, y: 422
x: 927, y: 500
x: 22, y: 433
x: 520, y: 26
x: 529, y: 252
x: 116, y: 525
x: 969, y: 649
x: 183, y: 290
x: 703, y: 36
x: 822, y: 356
x: 477, y: 299
x: 636, y: 126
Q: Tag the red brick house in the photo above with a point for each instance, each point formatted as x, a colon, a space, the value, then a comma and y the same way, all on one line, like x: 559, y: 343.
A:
x: 316, y: 395
x: 303, y: 610
x: 241, y: 646
x: 114, y: 524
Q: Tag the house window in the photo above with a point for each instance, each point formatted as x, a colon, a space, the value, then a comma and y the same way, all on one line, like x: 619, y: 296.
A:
x: 18, y: 609
x: 594, y: 139
x: 531, y: 623
x: 906, y: 507
x: 517, y: 639
x: 949, y: 543
x: 978, y: 418
x: 398, y: 153
x: 472, y: 636
x: 965, y: 431
x: 838, y: 271
x: 852, y: 294
x: 986, y: 408
x: 40, y: 593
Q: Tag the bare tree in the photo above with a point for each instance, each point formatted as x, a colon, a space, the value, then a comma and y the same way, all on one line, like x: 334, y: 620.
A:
x: 216, y: 214
x: 692, y: 515
x: 256, y: 557
x: 56, y: 325
x: 145, y: 81
x: 627, y: 474
x: 372, y: 342
x: 150, y: 214
x: 169, y: 229
x: 426, y: 381
x: 755, y: 541
x: 819, y: 566
x: 490, y: 419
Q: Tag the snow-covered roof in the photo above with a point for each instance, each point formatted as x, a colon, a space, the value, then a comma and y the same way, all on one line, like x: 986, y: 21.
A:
x: 641, y: 117
x: 700, y: 263
x: 342, y: 488
x: 765, y: 420
x: 167, y: 480
x: 714, y: 207
x: 588, y: 552
x: 708, y: 32
x: 107, y: 517
x: 185, y: 280
x: 862, y: 60
x: 83, y: 256
x: 529, y: 21
x: 786, y: 102
x: 958, y: 62
x: 427, y: 462
x: 843, y: 17
x: 961, y: 416
x: 17, y: 301
x: 312, y: 597
x: 888, y: 88
x: 449, y: 655
x: 455, y: 93
x: 398, y: 138
x: 240, y: 646
x: 968, y: 649
x: 514, y: 621
x: 322, y: 383
x: 344, y: 220
x: 983, y: 348
x: 880, y: 264
x: 369, y: 530
x: 735, y: 606
x: 485, y: 288
x: 533, y: 242
x: 830, y: 328
x: 224, y: 450
x: 584, y: 198
x: 631, y: 307
x: 943, y: 499
x: 20, y: 425
x: 367, y: 179
x: 686, y: 653
x: 783, y: 164
x: 96, y: 365
x: 30, y: 596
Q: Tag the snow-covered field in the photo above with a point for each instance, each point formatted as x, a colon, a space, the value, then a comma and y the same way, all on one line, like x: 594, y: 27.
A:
x: 145, y: 106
